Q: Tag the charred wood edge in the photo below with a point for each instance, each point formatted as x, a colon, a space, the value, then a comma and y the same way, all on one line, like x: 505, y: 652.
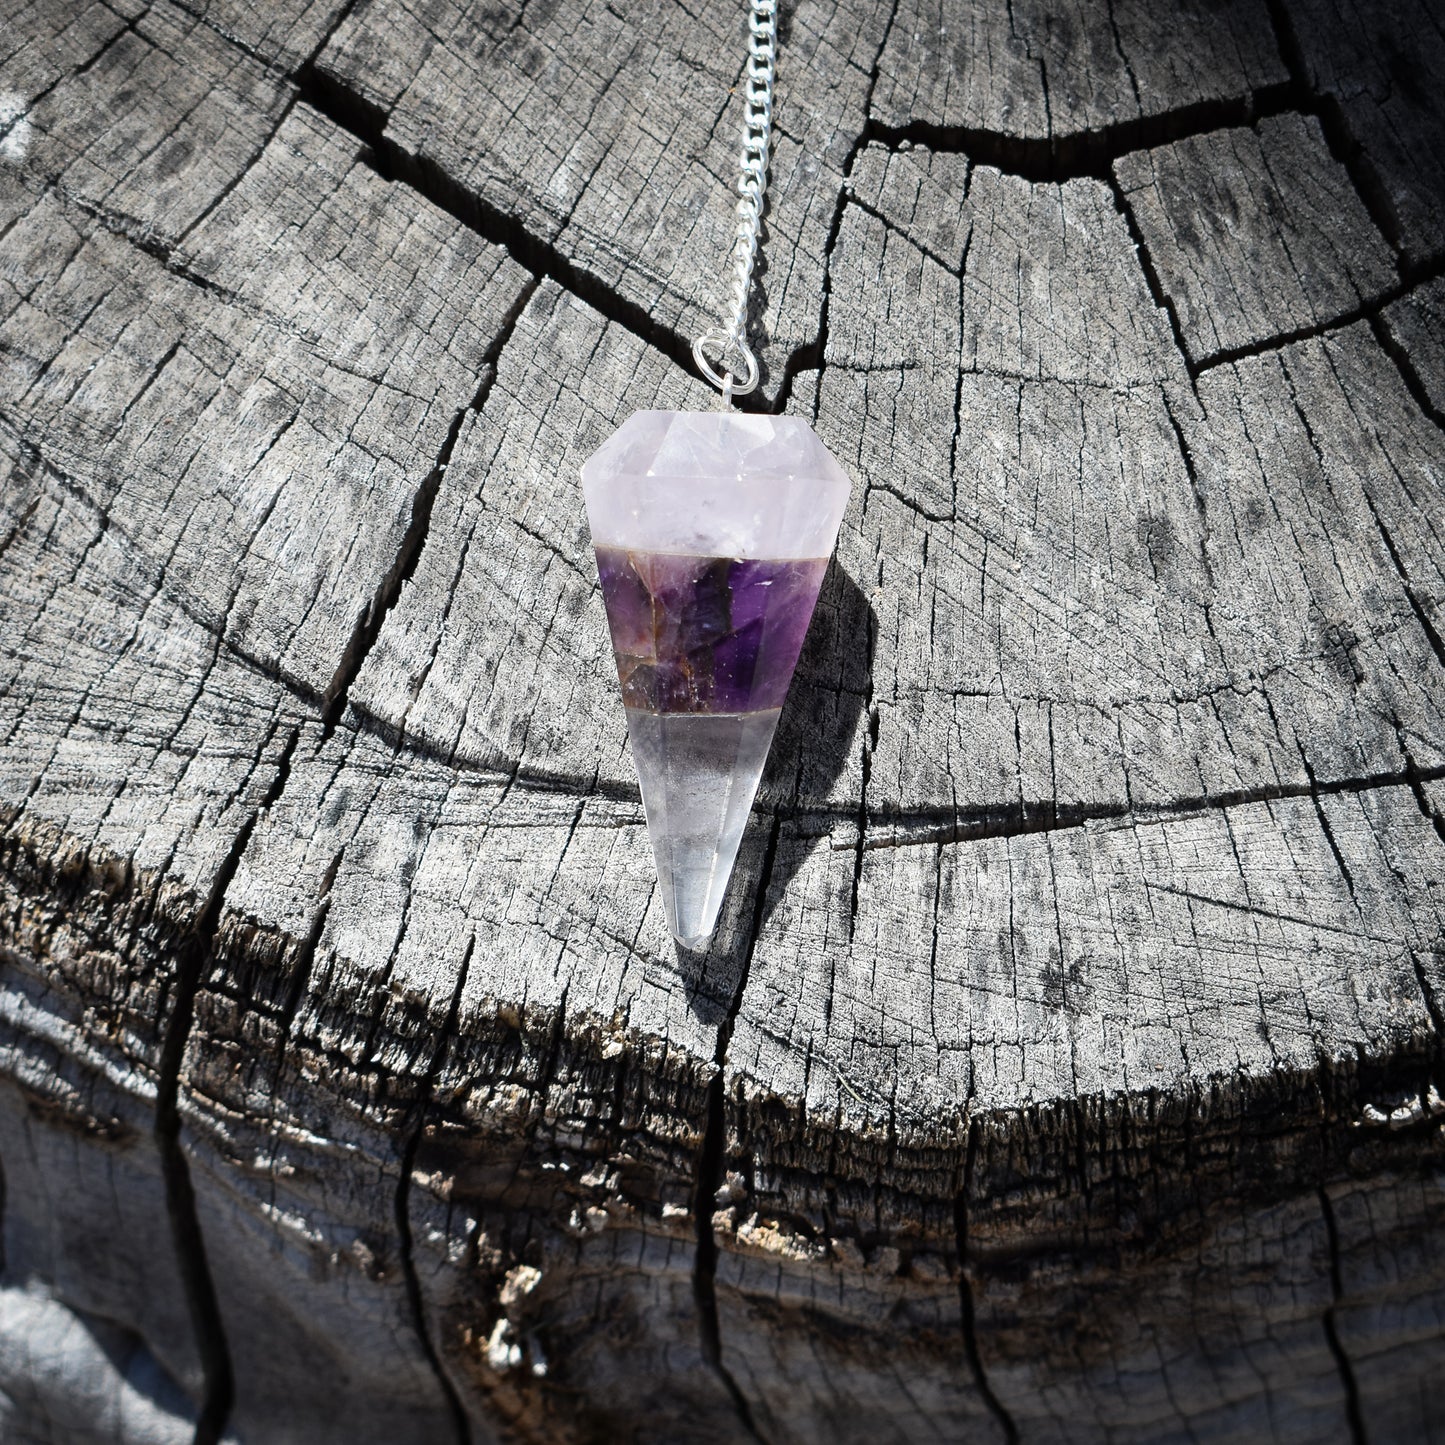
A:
x: 1184, y: 1120
x: 191, y: 958
x: 91, y: 885
x: 712, y: 1158
x: 415, y: 1127
x: 1353, y: 1413
x: 967, y: 1313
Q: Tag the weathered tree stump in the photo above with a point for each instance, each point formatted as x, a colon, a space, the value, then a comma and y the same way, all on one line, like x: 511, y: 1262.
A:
x: 1068, y: 1064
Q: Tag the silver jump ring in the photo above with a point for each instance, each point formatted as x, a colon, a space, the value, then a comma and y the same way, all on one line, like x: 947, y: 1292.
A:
x: 740, y: 386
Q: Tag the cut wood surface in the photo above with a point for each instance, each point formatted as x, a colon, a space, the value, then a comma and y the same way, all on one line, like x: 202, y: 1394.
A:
x: 1068, y: 1063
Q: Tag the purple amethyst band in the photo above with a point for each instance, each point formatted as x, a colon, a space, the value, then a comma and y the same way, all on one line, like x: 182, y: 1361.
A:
x: 706, y: 634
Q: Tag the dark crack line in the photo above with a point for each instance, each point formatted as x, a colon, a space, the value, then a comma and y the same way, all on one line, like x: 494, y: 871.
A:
x: 810, y: 356
x: 237, y: 180
x: 967, y: 1303
x: 1157, y: 291
x: 1088, y: 154
x: 1390, y: 344
x: 1201, y: 507
x: 713, y: 1158
x: 301, y: 976
x: 937, y: 825
x: 200, y: 1290
x: 542, y: 259
x: 1353, y: 1411
x: 308, y: 70
x: 865, y: 765
x: 1055, y: 159
x: 1431, y: 814
x: 414, y: 1135
x: 367, y: 627
x: 1015, y: 821
x: 1370, y: 311
x: 1432, y: 633
x: 21, y: 522
x: 74, y: 489
x: 134, y: 233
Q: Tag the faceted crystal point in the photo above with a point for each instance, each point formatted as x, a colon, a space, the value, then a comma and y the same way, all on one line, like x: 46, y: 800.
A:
x: 712, y: 532
x: 699, y: 772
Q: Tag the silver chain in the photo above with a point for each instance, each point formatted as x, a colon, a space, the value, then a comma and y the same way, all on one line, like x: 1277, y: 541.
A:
x: 736, y: 369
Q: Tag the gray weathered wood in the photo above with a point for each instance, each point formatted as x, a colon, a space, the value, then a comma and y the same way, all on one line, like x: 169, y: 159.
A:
x: 1416, y: 324
x: 1379, y: 61
x: 639, y: 199
x: 1254, y: 233
x: 64, y: 1376
x: 1052, y: 73
x: 1067, y: 1063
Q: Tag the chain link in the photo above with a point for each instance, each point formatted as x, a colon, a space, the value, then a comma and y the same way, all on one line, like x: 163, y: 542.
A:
x: 735, y: 372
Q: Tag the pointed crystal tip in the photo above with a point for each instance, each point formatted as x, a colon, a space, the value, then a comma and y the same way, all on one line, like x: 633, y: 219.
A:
x: 693, y: 945
x: 699, y: 773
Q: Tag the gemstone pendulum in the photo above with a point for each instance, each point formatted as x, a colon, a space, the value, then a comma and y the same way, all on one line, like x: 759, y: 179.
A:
x: 712, y: 532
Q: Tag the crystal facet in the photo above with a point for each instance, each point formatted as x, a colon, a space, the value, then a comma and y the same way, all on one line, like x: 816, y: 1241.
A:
x: 712, y: 532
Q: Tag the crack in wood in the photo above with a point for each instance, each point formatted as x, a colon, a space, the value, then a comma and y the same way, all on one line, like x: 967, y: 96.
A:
x: 192, y: 958
x: 1046, y: 816
x: 415, y: 1303
x: 712, y: 1158
x: 1054, y: 159
x: 408, y: 553
x: 1371, y: 311
x: 1087, y: 154
x: 1353, y: 1411
x: 1414, y: 383
x: 810, y: 356
x: 967, y: 1304
x: 541, y: 259
x: 1160, y: 296
x: 1432, y: 633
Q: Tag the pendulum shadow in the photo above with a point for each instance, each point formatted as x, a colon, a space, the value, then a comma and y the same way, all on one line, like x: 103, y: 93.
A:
x: 819, y: 733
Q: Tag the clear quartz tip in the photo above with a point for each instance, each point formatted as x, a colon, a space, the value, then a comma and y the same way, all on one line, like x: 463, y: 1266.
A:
x: 699, y: 773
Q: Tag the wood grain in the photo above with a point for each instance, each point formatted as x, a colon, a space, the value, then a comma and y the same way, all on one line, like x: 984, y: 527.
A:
x: 1255, y: 234
x: 1067, y: 1064
x: 1372, y: 66
x: 1055, y: 73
